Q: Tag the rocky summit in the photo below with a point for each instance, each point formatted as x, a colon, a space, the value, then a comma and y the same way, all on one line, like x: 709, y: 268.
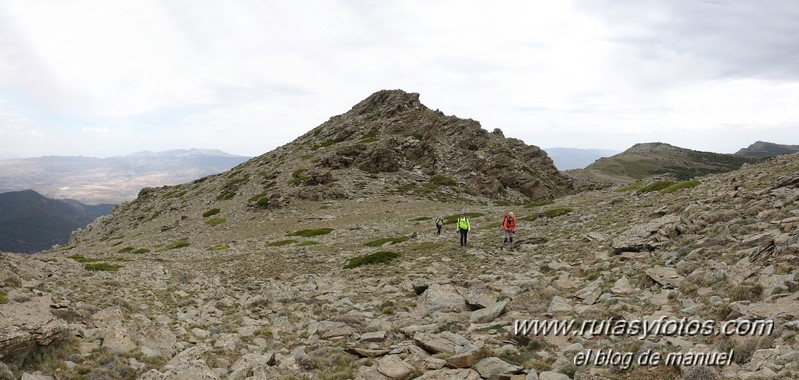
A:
x: 320, y: 260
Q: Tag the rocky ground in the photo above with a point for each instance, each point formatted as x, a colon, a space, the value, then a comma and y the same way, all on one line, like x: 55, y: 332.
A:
x: 250, y: 302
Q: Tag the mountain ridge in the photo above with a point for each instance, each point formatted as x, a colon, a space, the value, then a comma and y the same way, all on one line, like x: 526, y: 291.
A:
x: 31, y: 222
x: 650, y: 159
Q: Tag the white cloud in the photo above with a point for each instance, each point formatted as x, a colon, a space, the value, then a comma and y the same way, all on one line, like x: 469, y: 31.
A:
x: 246, y: 76
x: 94, y: 130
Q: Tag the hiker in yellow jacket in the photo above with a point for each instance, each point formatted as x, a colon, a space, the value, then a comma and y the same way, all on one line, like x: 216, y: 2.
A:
x: 463, y: 227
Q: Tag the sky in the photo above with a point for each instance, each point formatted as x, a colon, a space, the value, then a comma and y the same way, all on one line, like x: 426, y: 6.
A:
x: 107, y: 78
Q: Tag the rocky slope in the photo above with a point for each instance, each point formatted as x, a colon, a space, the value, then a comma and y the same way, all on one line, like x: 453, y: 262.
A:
x: 650, y: 159
x: 388, y: 145
x: 275, y: 306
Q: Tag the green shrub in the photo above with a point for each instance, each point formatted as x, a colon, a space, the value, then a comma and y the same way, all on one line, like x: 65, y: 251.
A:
x: 126, y: 250
x: 298, y: 172
x: 218, y: 247
x: 49, y: 260
x: 182, y: 243
x: 379, y: 242
x: 141, y: 250
x: 746, y: 292
x: 542, y: 202
x: 422, y: 218
x: 369, y: 137
x: 557, y: 212
x: 215, y: 221
x: 298, y: 180
x: 211, y: 212
x: 323, y: 144
x: 307, y: 243
x: 372, y: 258
x: 529, y: 218
x: 633, y: 186
x: 454, y: 218
x: 311, y: 232
x: 655, y: 186
x: 225, y: 195
x: 104, y: 267
x: 281, y: 243
x: 441, y: 180
x: 681, y: 185
x: 82, y: 259
x: 3, y: 298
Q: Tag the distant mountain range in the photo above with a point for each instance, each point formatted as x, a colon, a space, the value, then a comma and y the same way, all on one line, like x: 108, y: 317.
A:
x: 648, y: 159
x: 764, y: 149
x: 30, y: 222
x: 574, y: 158
x: 111, y: 180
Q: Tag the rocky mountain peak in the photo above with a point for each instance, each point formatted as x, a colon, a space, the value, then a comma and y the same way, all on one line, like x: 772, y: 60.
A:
x: 391, y: 131
x: 387, y: 103
x: 644, y: 148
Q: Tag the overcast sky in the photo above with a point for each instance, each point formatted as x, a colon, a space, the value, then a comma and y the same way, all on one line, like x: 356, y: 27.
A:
x: 103, y: 78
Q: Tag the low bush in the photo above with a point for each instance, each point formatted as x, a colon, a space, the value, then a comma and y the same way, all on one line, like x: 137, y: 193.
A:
x: 557, y: 212
x: 102, y: 267
x: 372, y: 258
x: 211, y: 212
x: 311, y: 232
x: 182, y: 243
x: 454, y: 218
x: 681, y: 185
x: 393, y: 240
x: 655, y: 186
x: 281, y: 243
x: 215, y: 221
x: 633, y: 186
x: 218, y: 247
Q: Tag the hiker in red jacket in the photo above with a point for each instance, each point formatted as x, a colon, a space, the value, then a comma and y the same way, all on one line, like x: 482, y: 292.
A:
x: 508, y: 229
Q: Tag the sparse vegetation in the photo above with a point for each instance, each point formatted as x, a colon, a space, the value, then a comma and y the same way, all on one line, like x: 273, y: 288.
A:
x: 141, y: 250
x: 182, y: 243
x: 126, y: 249
x: 529, y: 218
x: 655, y: 186
x: 218, y: 247
x: 542, y: 202
x: 369, y: 137
x: 635, y: 186
x: 103, y: 267
x: 440, y: 180
x: 281, y: 243
x: 211, y: 212
x: 215, y: 221
x: 323, y: 144
x: 311, y: 232
x: 454, y: 218
x: 555, y: 212
x: 392, y: 240
x: 82, y: 259
x: 3, y: 298
x: 372, y: 258
x: 307, y: 243
x: 681, y: 185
